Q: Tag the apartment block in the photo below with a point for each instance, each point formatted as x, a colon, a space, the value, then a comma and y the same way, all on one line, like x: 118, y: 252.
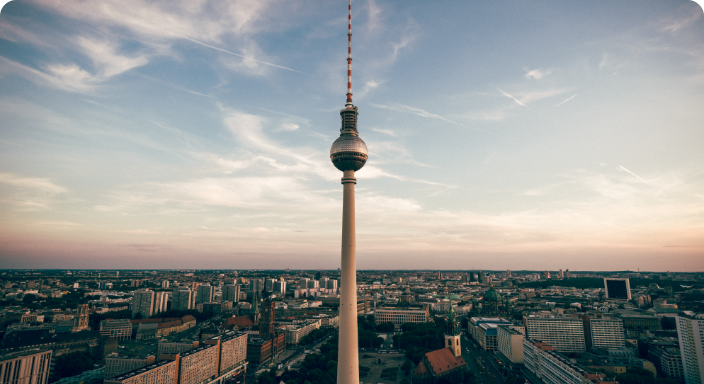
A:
x: 26, y: 367
x: 510, y: 342
x: 690, y: 331
x: 606, y: 332
x: 143, y: 303
x: 116, y: 365
x: 565, y: 334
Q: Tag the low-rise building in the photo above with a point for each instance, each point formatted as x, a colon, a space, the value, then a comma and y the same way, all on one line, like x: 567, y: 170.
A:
x: 118, y: 329
x: 399, y: 316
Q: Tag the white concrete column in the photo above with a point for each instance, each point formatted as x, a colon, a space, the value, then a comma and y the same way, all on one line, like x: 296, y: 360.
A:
x: 348, y: 356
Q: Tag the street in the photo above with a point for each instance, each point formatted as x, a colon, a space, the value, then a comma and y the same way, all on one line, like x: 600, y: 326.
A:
x: 470, y: 353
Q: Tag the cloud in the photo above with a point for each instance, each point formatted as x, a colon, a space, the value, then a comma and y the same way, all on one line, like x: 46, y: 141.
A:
x: 537, y: 74
x: 621, y: 167
x: 384, y: 131
x: 416, y: 111
x: 42, y: 185
x: 68, y: 77
x: 566, y: 100
x: 106, y: 59
x: 674, y: 25
x: 512, y: 98
x: 290, y: 126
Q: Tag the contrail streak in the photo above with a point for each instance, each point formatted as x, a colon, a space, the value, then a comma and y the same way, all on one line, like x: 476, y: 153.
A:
x: 568, y: 99
x: 621, y: 167
x: 511, y: 97
x: 237, y: 54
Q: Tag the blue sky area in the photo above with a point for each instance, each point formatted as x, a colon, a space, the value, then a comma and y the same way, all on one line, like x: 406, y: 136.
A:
x: 503, y: 134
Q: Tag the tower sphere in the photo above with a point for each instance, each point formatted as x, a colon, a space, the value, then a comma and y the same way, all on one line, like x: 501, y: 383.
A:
x: 348, y: 153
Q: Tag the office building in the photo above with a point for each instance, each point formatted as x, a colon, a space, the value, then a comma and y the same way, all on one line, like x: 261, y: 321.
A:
x: 25, y: 367
x: 690, y: 332
x: 565, y: 334
x: 399, y: 316
x: 617, y: 288
x: 142, y: 303
x: 484, y: 331
x: 118, y: 329
x: 165, y: 284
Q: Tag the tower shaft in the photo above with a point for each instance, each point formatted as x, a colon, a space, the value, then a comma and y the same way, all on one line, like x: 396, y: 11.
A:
x: 348, y: 356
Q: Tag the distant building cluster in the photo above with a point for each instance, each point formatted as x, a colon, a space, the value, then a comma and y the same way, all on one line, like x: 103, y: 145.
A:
x: 208, y: 327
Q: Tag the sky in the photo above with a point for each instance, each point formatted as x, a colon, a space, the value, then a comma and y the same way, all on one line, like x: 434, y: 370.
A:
x: 502, y: 135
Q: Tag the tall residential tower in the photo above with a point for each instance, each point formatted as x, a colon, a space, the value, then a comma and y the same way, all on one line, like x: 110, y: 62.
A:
x: 348, y: 154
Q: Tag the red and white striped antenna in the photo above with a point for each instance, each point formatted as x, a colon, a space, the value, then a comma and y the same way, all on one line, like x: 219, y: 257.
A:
x: 349, y: 57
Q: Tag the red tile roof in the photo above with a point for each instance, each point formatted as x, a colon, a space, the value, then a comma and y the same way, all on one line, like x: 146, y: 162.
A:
x: 240, y: 321
x: 444, y: 360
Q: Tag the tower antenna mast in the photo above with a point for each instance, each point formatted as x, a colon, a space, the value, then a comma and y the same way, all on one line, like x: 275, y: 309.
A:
x: 349, y: 104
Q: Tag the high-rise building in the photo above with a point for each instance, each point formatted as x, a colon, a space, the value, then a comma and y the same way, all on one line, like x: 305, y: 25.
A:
x: 117, y: 365
x: 25, y: 367
x: 332, y: 284
x: 482, y: 280
x: 690, y: 332
x: 280, y: 287
x: 562, y: 274
x: 439, y: 275
x: 312, y: 284
x: 617, y: 288
x: 181, y: 299
x: 205, y: 293
x: 546, y: 274
x: 565, y: 334
x: 269, y: 285
x: 143, y: 303
x: 161, y: 300
x: 165, y: 284
x: 349, y: 154
x: 606, y: 332
x: 231, y: 292
x: 510, y: 342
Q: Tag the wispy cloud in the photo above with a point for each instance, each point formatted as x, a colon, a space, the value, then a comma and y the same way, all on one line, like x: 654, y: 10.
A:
x: 512, y: 98
x: 249, y: 61
x: 674, y: 25
x: 35, y: 183
x: 537, y: 73
x: 413, y: 110
x: 621, y: 167
x: 566, y: 100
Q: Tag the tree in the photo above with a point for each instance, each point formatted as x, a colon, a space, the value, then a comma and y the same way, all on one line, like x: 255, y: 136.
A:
x: 385, y: 327
x: 29, y: 299
x: 406, y: 367
x: 71, y: 364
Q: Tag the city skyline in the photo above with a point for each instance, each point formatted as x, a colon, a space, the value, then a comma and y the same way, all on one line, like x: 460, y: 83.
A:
x: 505, y: 135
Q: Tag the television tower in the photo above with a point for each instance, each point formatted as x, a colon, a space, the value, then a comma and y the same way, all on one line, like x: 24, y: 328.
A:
x: 348, y: 154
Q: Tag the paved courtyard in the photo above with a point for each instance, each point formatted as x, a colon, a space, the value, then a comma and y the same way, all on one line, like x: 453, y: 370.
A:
x: 388, y: 372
